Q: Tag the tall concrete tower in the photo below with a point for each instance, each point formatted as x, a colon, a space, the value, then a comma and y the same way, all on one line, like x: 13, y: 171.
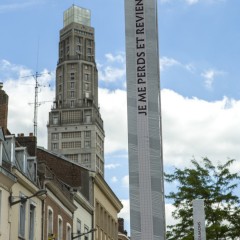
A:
x: 75, y: 127
x: 147, y: 215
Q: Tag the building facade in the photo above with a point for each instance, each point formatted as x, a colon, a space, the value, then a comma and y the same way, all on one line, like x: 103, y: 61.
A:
x: 147, y: 217
x: 75, y: 127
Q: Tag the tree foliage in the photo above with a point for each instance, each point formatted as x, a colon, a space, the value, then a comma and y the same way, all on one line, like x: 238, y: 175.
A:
x: 214, y: 184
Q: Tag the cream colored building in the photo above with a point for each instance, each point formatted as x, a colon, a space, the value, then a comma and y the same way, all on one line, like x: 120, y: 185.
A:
x: 107, y: 207
x: 20, y: 207
x: 75, y: 127
x: 24, y: 221
x: 83, y: 216
x: 6, y: 182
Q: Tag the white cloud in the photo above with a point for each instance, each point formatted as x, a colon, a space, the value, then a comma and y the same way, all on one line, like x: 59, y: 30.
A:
x: 111, y: 74
x: 169, y: 208
x: 194, y: 127
x: 113, y: 108
x: 19, y: 84
x: 209, y: 77
x: 113, y: 69
x: 117, y: 58
x: 125, y: 181
x: 112, y: 165
x: 114, y: 179
x: 166, y: 62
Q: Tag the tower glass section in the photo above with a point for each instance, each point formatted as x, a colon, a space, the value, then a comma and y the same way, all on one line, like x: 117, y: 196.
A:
x: 75, y: 127
x: 147, y: 215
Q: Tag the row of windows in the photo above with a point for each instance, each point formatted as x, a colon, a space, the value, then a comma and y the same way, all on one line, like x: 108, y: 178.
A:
x: 50, y: 223
x: 22, y: 219
x: 71, y: 144
x: 85, y: 158
x: 72, y: 116
x: 69, y: 135
x: 107, y: 227
x: 72, y: 157
x: 77, y: 144
x: 79, y: 230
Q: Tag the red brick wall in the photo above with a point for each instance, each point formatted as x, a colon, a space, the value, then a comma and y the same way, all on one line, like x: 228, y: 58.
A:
x: 28, y: 141
x: 57, y: 211
x: 3, y: 109
x: 70, y: 173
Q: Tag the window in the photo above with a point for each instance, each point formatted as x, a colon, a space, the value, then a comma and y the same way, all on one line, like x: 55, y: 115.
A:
x: 86, y: 229
x: 22, y: 218
x: 87, y: 86
x: 54, y: 146
x: 86, y: 157
x: 72, y: 94
x: 87, y: 144
x: 79, y: 48
x: 88, y: 42
x: 89, y: 51
x: 55, y: 120
x: 87, y: 134
x: 50, y: 222
x: 71, y: 103
x: 60, y: 88
x: 71, y: 135
x: 78, y: 228
x: 72, y: 76
x: 60, y: 228
x: 86, y: 77
x: 72, y: 157
x: 68, y: 232
x: 54, y: 136
x: 88, y: 119
x: 31, y: 221
x: 72, y: 85
x: 78, y: 144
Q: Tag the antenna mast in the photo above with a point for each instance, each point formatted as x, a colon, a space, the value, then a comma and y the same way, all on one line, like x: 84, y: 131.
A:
x: 36, y: 104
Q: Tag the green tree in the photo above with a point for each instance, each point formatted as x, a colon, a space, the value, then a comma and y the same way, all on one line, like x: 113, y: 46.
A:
x: 214, y: 184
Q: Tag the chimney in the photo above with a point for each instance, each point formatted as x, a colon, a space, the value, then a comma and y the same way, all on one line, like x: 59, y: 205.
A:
x: 28, y: 141
x: 121, y: 226
x: 3, y: 108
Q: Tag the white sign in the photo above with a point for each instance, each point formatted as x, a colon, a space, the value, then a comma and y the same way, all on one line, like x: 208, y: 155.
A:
x: 199, y: 219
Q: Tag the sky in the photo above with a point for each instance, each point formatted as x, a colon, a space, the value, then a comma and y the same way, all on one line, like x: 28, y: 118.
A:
x: 199, y: 78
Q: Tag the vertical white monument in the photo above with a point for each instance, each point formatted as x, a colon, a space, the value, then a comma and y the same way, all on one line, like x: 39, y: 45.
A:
x: 199, y: 219
x: 147, y: 215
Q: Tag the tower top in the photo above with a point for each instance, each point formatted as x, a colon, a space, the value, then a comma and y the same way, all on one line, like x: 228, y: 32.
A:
x: 78, y: 15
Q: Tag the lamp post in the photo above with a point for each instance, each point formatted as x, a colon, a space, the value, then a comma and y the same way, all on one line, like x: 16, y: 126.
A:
x: 82, y: 234
x: 23, y: 199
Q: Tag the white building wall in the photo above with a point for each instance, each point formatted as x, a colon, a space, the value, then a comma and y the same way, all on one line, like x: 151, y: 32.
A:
x: 147, y: 217
x: 4, y: 214
x: 84, y: 215
x: 14, y: 210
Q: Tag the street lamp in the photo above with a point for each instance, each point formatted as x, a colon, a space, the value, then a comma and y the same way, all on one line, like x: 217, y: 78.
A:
x: 23, y: 199
x: 82, y: 234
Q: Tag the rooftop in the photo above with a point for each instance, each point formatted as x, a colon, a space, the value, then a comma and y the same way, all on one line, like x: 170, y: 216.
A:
x: 78, y: 15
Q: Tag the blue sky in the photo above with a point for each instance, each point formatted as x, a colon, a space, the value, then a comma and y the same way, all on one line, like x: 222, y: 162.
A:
x: 200, y: 72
